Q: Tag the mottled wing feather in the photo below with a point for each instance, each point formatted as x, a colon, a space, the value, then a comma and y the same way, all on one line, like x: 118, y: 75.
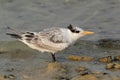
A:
x: 57, y: 38
x: 54, y: 35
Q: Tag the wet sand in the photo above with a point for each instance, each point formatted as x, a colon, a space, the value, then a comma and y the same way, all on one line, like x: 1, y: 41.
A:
x: 26, y: 64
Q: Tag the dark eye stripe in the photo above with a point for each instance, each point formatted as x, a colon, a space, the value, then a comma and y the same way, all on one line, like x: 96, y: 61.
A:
x: 74, y: 31
x: 77, y: 31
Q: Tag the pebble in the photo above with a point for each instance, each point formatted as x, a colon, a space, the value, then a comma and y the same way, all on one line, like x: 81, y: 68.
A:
x: 116, y: 66
x: 79, y: 58
x: 117, y: 58
x: 80, y: 68
x: 109, y: 66
x: 86, y: 77
x: 107, y: 59
x: 11, y: 77
x: 113, y: 66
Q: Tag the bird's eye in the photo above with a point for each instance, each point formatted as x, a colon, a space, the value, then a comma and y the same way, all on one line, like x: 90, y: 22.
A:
x: 77, y: 31
x: 74, y: 31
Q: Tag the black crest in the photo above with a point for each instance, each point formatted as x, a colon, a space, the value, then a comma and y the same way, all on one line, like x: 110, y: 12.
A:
x: 72, y: 29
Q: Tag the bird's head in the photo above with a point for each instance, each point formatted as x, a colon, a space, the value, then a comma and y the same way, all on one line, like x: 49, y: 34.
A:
x: 77, y: 32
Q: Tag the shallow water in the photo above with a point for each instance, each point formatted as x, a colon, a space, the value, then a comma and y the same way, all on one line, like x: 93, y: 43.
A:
x: 21, y: 61
x: 100, y: 16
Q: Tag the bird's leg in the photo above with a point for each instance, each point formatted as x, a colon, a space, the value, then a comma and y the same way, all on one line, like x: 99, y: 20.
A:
x: 53, y: 57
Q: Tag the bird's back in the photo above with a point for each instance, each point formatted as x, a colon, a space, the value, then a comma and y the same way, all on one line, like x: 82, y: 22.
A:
x: 48, y: 40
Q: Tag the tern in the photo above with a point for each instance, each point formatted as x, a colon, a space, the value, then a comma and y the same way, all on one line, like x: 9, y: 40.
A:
x: 50, y: 40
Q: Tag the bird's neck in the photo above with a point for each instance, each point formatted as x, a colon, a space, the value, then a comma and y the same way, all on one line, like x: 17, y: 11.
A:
x: 72, y: 36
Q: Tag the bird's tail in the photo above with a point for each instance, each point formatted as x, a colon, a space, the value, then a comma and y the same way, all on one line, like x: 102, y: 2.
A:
x: 15, y: 34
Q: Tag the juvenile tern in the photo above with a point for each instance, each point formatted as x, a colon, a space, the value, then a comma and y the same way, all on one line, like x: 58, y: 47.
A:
x: 50, y: 40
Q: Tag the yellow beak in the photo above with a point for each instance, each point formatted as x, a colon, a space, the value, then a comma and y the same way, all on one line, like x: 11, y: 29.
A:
x: 87, y: 32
